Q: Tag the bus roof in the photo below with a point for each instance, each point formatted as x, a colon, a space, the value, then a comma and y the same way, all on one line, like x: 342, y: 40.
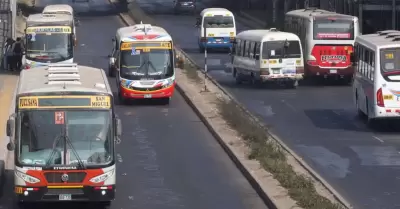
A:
x: 381, y: 39
x: 143, y: 32
x: 216, y: 11
x: 56, y: 78
x: 45, y: 19
x: 315, y: 12
x: 266, y: 35
x: 58, y: 8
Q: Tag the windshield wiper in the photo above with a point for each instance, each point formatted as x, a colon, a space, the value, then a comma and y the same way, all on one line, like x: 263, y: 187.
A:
x: 81, y: 165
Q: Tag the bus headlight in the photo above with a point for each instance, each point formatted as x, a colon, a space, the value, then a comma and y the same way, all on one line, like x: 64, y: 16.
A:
x: 102, y: 177
x: 26, y: 177
x: 124, y: 83
x: 169, y: 83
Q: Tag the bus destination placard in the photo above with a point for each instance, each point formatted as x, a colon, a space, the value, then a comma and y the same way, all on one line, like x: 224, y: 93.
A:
x: 145, y: 45
x: 49, y: 29
x: 54, y: 102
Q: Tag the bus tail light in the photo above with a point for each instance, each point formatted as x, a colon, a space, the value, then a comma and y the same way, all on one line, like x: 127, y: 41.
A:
x: 379, y: 98
x: 264, y: 71
x: 299, y: 70
x: 27, y: 67
x: 312, y: 61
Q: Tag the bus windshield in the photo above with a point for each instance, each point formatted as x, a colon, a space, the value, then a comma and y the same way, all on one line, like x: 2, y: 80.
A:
x: 277, y: 49
x: 154, y: 64
x: 42, y: 137
x: 51, y: 47
x: 333, y: 29
x: 218, y: 21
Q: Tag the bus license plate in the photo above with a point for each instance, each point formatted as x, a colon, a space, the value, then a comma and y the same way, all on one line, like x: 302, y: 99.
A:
x: 277, y: 71
x: 147, y: 96
x: 64, y: 197
x: 332, y: 71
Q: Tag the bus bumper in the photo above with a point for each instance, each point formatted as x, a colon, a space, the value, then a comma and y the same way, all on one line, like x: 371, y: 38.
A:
x: 292, y: 77
x: 318, y: 71
x: 85, y: 194
x: 135, y: 94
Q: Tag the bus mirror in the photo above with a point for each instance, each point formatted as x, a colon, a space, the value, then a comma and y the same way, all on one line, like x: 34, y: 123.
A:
x: 10, y: 146
x: 118, y: 127
x: 9, y: 127
x: 113, y: 39
x: 257, y: 57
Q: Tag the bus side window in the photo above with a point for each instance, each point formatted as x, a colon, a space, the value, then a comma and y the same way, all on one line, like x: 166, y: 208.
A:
x: 251, y: 50
x: 360, y: 59
x: 372, y: 65
x: 246, y: 52
x: 367, y: 61
x: 243, y: 52
x: 237, y: 51
x: 257, y: 50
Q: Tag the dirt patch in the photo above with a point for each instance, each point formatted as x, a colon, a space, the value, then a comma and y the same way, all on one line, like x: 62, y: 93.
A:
x: 268, y: 166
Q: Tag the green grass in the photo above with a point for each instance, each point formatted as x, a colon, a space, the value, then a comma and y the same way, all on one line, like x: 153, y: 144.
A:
x: 273, y: 159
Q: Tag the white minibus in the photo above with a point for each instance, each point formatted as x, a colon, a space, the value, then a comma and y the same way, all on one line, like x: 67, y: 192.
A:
x: 216, y: 29
x: 267, y: 55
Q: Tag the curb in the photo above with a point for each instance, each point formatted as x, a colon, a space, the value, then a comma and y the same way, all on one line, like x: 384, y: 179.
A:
x: 4, y: 158
x: 252, y: 180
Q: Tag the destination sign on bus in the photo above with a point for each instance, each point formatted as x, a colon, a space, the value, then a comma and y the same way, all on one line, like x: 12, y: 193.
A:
x: 148, y: 45
x: 54, y: 102
x: 49, y: 29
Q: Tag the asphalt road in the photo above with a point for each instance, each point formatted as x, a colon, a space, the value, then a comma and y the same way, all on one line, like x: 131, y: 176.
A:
x: 318, y: 121
x: 167, y: 157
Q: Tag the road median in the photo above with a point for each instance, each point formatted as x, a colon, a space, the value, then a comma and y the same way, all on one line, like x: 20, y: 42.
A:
x: 279, y: 176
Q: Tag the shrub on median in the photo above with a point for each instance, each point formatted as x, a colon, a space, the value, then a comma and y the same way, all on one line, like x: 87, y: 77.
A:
x: 273, y: 159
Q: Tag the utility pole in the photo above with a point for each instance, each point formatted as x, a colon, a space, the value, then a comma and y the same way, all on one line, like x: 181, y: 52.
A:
x: 205, y: 58
x: 394, y: 14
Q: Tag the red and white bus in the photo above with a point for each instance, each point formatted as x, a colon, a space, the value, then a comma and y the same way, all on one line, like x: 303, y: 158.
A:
x: 327, y: 40
x: 143, y: 63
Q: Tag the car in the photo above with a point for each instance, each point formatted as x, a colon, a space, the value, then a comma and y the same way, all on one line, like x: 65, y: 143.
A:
x: 181, y: 6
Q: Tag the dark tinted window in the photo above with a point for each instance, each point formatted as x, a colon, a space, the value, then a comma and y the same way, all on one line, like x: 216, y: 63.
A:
x: 277, y: 49
x: 333, y: 29
x: 218, y: 21
x: 390, y: 61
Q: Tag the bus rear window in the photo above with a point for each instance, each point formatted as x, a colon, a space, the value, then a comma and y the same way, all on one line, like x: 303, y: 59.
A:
x: 390, y: 61
x: 218, y: 21
x: 333, y: 29
x: 277, y: 49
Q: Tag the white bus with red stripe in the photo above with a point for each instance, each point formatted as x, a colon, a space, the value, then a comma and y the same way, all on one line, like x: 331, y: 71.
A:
x: 376, y: 83
x: 327, y: 39
x: 143, y: 63
x: 63, y: 134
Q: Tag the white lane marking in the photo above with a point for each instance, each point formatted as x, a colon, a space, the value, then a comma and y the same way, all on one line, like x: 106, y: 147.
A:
x: 379, y: 139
